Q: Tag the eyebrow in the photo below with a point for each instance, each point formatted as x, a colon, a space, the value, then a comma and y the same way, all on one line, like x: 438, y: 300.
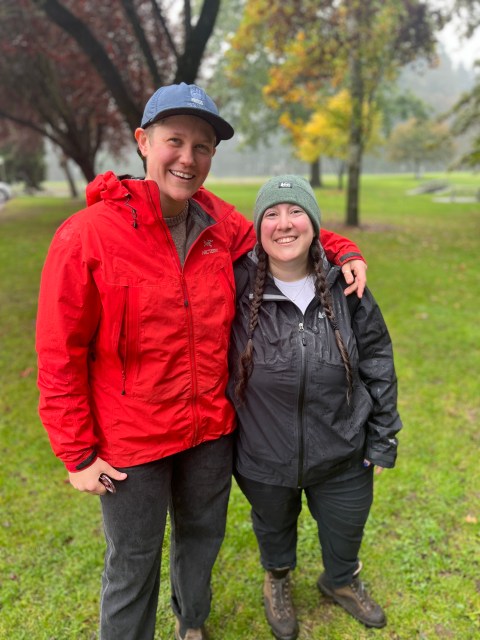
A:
x: 203, y: 137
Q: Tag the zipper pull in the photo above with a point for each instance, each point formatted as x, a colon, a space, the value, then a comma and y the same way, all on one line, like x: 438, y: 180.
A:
x: 302, y: 333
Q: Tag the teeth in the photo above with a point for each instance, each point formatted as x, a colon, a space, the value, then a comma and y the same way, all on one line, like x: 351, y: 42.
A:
x: 285, y: 240
x: 179, y: 174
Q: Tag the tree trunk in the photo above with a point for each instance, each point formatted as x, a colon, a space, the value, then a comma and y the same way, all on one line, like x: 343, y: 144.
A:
x: 87, y: 166
x: 189, y: 62
x: 68, y: 175
x: 316, y: 173
x: 341, y: 173
x: 353, y: 190
x: 355, y: 151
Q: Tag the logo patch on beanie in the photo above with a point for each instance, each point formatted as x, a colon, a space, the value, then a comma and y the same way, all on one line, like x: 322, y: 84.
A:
x: 285, y: 185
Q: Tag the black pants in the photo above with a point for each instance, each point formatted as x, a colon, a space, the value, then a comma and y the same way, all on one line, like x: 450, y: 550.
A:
x: 340, y: 506
x: 194, y: 486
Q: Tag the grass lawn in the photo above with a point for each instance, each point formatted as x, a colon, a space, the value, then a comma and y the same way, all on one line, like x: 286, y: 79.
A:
x: 421, y: 550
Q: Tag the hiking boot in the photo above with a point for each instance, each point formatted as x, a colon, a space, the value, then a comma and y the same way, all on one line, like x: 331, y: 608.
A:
x: 277, y: 599
x: 354, y: 598
x: 190, y: 634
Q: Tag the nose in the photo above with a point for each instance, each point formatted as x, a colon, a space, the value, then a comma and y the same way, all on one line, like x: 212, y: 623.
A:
x: 187, y: 156
x: 284, y: 221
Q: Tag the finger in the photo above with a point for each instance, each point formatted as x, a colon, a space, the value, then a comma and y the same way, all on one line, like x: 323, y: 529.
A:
x: 351, y: 289
x: 361, y: 282
x: 114, y: 474
x: 347, y: 274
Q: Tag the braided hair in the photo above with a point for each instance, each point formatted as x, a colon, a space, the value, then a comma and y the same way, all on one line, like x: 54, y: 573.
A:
x: 323, y: 293
x: 245, y: 363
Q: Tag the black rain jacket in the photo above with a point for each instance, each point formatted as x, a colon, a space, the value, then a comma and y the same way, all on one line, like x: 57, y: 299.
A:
x: 296, y: 427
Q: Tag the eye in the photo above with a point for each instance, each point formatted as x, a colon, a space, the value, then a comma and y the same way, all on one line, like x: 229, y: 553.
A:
x: 174, y: 141
x: 270, y: 214
x: 297, y: 212
x: 204, y: 149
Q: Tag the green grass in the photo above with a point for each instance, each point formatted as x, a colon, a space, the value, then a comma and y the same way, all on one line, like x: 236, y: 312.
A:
x: 422, y: 544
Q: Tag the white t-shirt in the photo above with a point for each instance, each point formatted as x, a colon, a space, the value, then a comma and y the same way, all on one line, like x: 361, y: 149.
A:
x: 300, y: 292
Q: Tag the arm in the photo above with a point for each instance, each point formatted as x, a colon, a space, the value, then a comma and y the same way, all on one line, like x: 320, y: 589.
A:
x: 345, y: 253
x: 68, y: 315
x: 377, y: 371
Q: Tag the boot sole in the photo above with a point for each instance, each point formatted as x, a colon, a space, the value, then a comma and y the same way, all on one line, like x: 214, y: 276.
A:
x: 329, y: 594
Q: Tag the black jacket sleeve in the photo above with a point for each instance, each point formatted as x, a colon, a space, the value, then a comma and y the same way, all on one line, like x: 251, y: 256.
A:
x: 377, y: 371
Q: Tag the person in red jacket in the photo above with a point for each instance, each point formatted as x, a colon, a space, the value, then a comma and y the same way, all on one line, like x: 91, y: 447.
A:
x: 136, y: 304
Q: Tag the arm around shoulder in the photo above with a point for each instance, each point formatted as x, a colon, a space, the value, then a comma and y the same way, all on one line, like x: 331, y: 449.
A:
x: 345, y: 253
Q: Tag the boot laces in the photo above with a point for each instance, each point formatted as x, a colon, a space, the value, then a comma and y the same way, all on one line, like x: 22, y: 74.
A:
x: 358, y: 588
x: 281, y: 601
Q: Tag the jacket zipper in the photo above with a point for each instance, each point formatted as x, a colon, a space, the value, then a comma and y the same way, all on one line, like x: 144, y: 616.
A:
x: 301, y: 396
x: 192, y: 361
x: 123, y: 355
x: 194, y: 405
x: 196, y: 419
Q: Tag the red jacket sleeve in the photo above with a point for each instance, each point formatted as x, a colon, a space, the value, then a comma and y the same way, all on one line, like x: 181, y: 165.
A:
x: 338, y: 249
x: 68, y: 315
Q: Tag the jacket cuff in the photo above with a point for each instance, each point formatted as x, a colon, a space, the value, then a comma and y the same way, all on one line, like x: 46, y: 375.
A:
x: 381, y: 459
x: 353, y: 255
x: 84, y: 464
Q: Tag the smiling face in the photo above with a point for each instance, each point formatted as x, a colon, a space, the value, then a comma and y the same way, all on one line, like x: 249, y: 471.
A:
x: 178, y: 152
x: 286, y: 234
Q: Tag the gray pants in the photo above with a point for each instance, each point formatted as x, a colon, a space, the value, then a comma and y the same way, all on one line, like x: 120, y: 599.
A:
x: 194, y: 486
x: 340, y: 506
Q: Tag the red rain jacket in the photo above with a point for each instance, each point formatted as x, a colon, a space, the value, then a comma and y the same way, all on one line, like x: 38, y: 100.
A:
x: 132, y: 348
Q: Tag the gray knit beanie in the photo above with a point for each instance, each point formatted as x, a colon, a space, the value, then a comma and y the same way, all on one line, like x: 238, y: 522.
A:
x: 287, y: 188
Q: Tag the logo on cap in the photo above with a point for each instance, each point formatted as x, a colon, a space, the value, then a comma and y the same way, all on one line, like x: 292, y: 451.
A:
x: 196, y: 95
x: 285, y: 185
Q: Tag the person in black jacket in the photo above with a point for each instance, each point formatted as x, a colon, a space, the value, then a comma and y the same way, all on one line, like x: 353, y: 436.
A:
x: 315, y: 389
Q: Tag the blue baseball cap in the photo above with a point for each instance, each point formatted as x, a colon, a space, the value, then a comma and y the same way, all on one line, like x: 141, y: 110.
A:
x: 185, y: 99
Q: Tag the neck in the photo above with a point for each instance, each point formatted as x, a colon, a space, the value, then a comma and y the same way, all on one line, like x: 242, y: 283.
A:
x: 289, y: 271
x: 172, y: 208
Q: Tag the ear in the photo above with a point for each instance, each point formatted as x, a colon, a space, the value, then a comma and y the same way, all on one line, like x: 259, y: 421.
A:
x: 142, y: 140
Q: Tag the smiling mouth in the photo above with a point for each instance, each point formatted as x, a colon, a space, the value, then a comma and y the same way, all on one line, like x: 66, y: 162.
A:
x: 183, y: 176
x: 285, y: 240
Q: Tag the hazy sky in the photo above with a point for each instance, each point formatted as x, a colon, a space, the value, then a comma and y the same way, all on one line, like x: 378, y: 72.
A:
x: 459, y: 50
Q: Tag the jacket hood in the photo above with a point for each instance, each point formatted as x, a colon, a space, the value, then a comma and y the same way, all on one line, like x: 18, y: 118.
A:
x: 127, y: 190
x: 106, y: 186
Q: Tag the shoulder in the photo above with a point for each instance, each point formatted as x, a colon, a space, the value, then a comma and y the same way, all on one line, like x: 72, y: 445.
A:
x: 214, y: 205
x: 243, y: 270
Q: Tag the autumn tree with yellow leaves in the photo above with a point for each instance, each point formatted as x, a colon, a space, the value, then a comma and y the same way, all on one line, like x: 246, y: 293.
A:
x: 317, y: 48
x: 326, y: 132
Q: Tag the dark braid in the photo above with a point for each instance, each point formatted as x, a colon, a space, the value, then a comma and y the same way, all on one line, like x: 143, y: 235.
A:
x: 323, y: 292
x: 245, y: 365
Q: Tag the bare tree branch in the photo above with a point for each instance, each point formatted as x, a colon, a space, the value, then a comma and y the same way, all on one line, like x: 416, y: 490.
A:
x: 132, y: 16
x: 80, y: 32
